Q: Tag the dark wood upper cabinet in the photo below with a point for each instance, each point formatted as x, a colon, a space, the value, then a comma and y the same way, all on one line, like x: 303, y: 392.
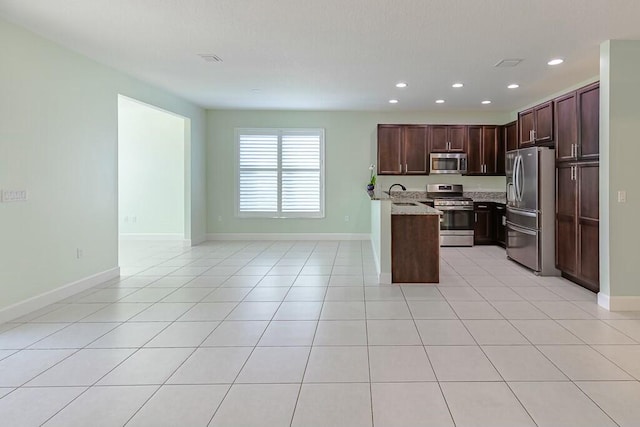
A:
x: 447, y: 138
x: 510, y: 135
x: 536, y: 125
x: 389, y: 150
x: 589, y: 121
x: 415, y: 150
x: 577, y: 119
x: 402, y: 149
x: 484, y: 149
x: 525, y: 128
x: 566, y: 108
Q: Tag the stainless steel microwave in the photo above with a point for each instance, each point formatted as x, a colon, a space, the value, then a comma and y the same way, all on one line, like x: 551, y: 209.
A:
x: 451, y: 163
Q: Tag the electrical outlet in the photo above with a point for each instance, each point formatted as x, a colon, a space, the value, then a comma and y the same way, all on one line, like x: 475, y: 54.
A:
x: 134, y: 219
x: 79, y: 253
x: 346, y: 218
x: 14, y: 195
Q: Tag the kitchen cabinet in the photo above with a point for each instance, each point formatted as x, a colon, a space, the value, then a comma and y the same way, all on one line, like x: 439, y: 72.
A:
x: 577, y: 222
x: 447, y: 138
x: 484, y: 149
x: 588, y: 122
x: 402, y: 149
x: 415, y: 248
x: 535, y: 125
x: 577, y: 119
x: 484, y: 227
x: 510, y: 136
x: 500, y: 218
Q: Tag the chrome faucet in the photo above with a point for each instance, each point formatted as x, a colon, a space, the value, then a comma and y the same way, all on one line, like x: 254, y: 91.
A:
x: 402, y: 186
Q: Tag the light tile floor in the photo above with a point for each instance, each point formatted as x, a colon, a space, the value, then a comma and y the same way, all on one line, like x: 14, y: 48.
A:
x: 301, y: 334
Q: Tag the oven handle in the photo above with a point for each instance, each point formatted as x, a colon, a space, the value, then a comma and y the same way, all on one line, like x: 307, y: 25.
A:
x: 454, y: 208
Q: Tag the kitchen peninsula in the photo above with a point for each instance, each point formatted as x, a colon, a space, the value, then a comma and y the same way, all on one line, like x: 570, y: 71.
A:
x: 405, y: 235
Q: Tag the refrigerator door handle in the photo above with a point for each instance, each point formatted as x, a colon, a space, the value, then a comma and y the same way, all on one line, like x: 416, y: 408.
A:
x: 520, y: 229
x: 522, y: 213
x: 520, y: 178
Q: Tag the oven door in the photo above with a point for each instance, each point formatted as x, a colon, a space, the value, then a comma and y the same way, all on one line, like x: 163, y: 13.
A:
x: 456, y: 218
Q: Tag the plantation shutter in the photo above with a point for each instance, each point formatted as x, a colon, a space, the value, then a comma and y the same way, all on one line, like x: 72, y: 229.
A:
x: 280, y: 173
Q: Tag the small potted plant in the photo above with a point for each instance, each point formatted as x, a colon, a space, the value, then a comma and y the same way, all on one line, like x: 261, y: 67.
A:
x: 372, y: 180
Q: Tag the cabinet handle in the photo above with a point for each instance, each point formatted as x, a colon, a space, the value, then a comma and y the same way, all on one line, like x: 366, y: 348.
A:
x: 482, y: 206
x: 406, y: 168
x: 476, y: 217
x: 533, y: 132
x: 400, y: 164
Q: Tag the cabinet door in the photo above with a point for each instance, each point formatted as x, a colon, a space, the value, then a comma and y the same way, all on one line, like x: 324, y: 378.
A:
x: 501, y: 224
x: 511, y: 136
x: 525, y: 128
x: 589, y: 119
x: 389, y: 150
x: 566, y: 127
x: 474, y: 150
x: 483, y: 229
x: 588, y: 214
x: 457, y: 138
x: 490, y: 149
x: 415, y: 150
x: 501, y: 149
x: 543, y: 122
x: 566, y: 197
x: 438, y: 138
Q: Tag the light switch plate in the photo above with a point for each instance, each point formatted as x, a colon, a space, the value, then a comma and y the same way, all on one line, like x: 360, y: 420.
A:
x: 622, y: 196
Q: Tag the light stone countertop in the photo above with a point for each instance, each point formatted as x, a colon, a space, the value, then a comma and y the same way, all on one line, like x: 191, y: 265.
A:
x: 416, y: 208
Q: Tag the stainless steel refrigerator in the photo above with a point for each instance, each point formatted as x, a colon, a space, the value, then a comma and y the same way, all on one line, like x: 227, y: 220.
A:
x: 531, y: 208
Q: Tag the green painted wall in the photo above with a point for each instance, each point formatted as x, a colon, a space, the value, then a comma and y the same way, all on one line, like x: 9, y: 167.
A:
x: 619, y: 154
x: 350, y: 149
x: 58, y: 140
x: 150, y: 170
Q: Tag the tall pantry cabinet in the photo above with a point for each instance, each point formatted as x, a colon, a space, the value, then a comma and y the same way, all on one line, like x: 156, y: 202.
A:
x: 577, y: 183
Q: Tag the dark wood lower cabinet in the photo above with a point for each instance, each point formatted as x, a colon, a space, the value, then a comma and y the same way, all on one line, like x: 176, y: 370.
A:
x: 577, y: 223
x: 500, y: 221
x: 415, y: 248
x: 484, y: 225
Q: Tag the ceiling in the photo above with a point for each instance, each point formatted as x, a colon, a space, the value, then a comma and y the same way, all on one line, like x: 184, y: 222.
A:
x: 340, y: 54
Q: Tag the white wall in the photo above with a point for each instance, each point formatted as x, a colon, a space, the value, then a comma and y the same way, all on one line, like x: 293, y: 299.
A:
x: 351, y: 146
x: 151, y: 183
x: 619, y: 154
x: 58, y: 140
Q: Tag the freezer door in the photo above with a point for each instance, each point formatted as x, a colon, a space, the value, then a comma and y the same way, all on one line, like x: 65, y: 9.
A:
x: 523, y: 218
x: 523, y: 246
x: 526, y: 176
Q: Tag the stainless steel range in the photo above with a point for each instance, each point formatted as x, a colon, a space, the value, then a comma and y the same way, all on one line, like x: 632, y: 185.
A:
x: 456, y: 225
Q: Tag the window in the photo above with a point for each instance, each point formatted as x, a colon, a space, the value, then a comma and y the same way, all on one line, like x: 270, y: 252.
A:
x: 280, y: 173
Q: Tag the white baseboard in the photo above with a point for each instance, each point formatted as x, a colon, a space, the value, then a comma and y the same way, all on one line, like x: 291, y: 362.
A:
x: 196, y: 241
x: 384, y: 278
x: 288, y: 236
x: 151, y: 236
x: 628, y: 303
x: 37, y: 302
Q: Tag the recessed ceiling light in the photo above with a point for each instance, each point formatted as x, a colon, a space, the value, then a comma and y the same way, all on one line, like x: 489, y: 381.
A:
x: 556, y: 61
x: 401, y: 84
x: 439, y: 101
x: 393, y: 101
x: 513, y: 86
x: 457, y: 85
x: 486, y: 102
